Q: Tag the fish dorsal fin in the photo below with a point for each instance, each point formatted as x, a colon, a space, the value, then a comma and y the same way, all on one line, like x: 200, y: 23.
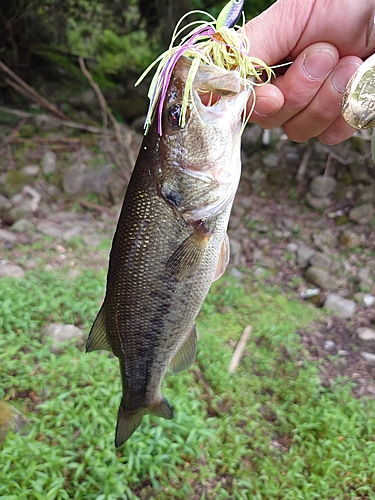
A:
x: 223, y: 258
x: 188, y: 256
x: 185, y: 356
x: 97, y: 340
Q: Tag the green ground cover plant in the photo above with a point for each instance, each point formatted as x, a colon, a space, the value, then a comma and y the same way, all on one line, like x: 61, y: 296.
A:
x: 270, y: 431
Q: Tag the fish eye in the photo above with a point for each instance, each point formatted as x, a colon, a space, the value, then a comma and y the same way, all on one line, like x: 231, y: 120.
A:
x: 174, y: 113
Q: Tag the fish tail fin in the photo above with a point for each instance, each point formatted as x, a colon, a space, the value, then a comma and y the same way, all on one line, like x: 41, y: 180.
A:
x: 129, y: 421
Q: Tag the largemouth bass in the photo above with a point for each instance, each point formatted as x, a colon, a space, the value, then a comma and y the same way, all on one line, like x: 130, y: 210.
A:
x: 170, y: 242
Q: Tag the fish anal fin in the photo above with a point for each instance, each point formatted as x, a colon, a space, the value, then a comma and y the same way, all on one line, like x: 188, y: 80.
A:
x: 97, y: 339
x: 223, y: 259
x: 163, y: 409
x: 188, y: 256
x: 185, y: 356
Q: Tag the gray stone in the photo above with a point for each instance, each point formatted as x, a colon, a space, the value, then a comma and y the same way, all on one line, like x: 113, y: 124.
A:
x: 366, y: 276
x: 235, y: 251
x: 329, y: 345
x: 259, y: 272
x: 49, y: 229
x: 320, y: 259
x: 324, y: 240
x: 4, y: 202
x: 80, y: 180
x: 7, y: 236
x: 62, y: 334
x: 322, y: 186
x: 344, y: 308
x: 258, y: 178
x: 349, y: 239
x: 369, y: 300
x: 11, y: 270
x: 365, y: 334
x: 30, y: 170
x: 304, y: 254
x: 321, y: 278
x: 23, y: 211
x: 22, y: 225
x: 318, y: 203
x: 49, y: 163
x: 270, y: 160
x: 92, y: 240
x: 369, y: 357
x: 72, y: 232
x: 362, y: 214
x: 291, y: 247
x: 46, y: 123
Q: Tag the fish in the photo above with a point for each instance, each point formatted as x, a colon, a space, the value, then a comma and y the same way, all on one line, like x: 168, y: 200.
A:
x: 171, y: 240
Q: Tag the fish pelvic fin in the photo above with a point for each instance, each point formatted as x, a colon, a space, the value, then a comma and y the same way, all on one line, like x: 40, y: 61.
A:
x: 185, y: 356
x: 97, y: 339
x: 129, y: 421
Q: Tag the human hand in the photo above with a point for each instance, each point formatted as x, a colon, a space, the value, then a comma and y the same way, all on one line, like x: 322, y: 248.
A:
x: 327, y: 41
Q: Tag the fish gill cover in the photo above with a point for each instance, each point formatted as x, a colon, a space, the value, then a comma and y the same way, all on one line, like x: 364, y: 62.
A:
x: 218, y: 42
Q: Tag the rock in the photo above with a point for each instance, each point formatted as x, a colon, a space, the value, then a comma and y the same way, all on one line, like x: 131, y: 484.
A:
x: 369, y: 300
x: 320, y: 259
x: 49, y: 163
x: 322, y: 186
x: 80, y: 180
x: 4, y: 202
x: 365, y: 334
x: 30, y: 170
x: 23, y: 211
x: 271, y: 161
x: 369, y: 357
x: 10, y: 419
x: 349, y: 239
x: 362, y: 214
x: 304, y: 254
x: 61, y: 334
x: 366, y: 276
x: 344, y: 308
x: 46, y: 123
x: 324, y: 240
x: 72, y: 232
x: 260, y: 272
x: 329, y: 345
x: 7, y: 236
x: 318, y: 203
x: 49, y: 229
x: 11, y: 270
x: 22, y: 225
x: 321, y: 278
x: 291, y: 247
x: 235, y: 252
x: 92, y: 240
x: 258, y: 178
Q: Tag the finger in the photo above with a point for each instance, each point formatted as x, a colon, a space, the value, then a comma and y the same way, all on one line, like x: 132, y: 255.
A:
x: 337, y: 132
x: 268, y: 101
x: 302, y: 81
x: 325, y: 107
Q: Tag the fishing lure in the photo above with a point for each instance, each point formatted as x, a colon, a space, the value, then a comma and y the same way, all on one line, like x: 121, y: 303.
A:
x: 216, y: 41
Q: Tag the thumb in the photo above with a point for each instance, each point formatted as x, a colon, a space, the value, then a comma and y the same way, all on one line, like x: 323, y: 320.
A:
x: 274, y: 33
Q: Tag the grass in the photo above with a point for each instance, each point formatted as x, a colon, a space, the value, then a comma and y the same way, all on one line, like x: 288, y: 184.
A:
x: 270, y: 431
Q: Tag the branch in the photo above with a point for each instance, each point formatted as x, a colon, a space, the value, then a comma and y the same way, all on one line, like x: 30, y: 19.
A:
x: 238, y: 353
x: 30, y: 92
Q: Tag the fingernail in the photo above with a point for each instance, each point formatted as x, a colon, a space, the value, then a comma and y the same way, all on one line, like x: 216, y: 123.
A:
x: 342, y: 75
x: 319, y: 63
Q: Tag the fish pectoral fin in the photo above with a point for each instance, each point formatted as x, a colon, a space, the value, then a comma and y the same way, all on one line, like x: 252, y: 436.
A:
x: 223, y: 258
x: 185, y: 356
x: 188, y: 256
x: 97, y: 339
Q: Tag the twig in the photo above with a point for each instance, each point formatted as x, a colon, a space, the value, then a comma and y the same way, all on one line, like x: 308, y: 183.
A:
x: 238, y: 353
x: 30, y: 92
x: 65, y: 123
x: 106, y: 112
x: 95, y: 206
